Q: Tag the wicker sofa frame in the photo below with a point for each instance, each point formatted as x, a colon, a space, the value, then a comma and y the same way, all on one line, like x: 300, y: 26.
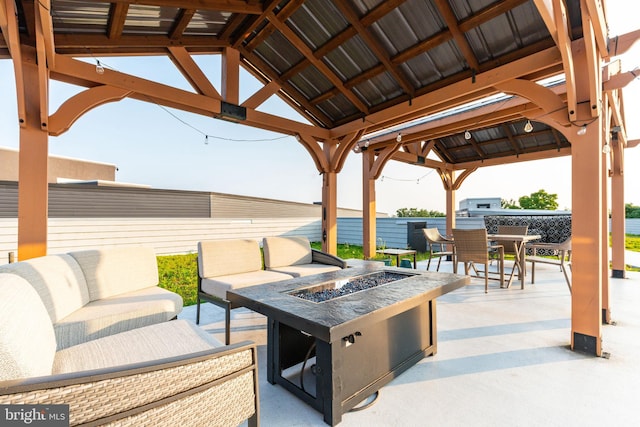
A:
x: 217, y: 387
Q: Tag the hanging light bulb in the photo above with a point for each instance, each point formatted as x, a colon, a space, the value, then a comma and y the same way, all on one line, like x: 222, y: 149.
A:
x: 582, y: 130
x: 528, y: 127
x: 399, y: 137
x: 606, y: 149
x: 99, y: 67
x: 467, y: 135
x: 366, y: 143
x: 356, y: 149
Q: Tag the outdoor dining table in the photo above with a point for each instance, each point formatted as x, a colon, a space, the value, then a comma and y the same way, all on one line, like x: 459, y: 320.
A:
x: 519, y: 240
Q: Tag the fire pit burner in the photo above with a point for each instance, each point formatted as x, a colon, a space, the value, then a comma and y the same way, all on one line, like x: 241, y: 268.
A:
x: 335, y: 289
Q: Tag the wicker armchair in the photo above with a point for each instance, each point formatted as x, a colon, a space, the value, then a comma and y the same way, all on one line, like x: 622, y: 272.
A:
x: 473, y: 248
x: 437, y: 245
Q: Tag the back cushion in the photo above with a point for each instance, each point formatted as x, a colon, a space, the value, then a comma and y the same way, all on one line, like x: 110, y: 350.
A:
x: 58, y: 280
x: 222, y: 257
x: 115, y: 271
x: 27, y: 341
x: 283, y: 251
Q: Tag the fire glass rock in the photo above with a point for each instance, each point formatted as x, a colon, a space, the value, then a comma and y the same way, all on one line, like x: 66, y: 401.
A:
x: 327, y: 291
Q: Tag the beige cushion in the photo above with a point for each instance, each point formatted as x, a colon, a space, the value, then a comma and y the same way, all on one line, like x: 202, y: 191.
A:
x: 281, y: 251
x: 27, y: 342
x: 218, y: 286
x: 153, y: 342
x: 115, y: 271
x: 306, y: 269
x: 117, y: 314
x: 58, y: 280
x: 223, y: 257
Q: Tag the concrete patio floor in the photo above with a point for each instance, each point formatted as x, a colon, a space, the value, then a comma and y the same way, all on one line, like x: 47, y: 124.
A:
x: 503, y: 359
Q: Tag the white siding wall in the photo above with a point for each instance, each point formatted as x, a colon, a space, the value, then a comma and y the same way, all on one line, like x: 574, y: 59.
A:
x: 166, y: 236
x: 180, y: 235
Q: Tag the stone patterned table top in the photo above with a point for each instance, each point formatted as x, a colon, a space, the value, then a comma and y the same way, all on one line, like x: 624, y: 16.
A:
x: 328, y: 320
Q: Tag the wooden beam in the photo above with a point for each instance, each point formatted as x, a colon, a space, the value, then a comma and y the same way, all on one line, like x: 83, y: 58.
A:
x: 233, y: 6
x: 264, y: 93
x: 117, y: 17
x: 9, y: 27
x: 455, y: 94
x: 376, y: 48
x: 600, y: 31
x: 545, y: 9
x: 181, y: 23
x: 458, y: 35
x: 320, y: 65
x: 564, y: 45
x: 192, y: 72
x: 593, y: 66
x: 73, y: 108
x: 43, y: 70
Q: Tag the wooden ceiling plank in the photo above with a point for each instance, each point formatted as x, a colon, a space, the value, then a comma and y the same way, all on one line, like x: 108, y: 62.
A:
x: 511, y: 138
x: 284, y: 14
x: 564, y: 45
x: 320, y: 65
x: 379, y: 11
x: 267, y: 74
x: 490, y: 12
x: 233, y: 6
x: 192, y: 72
x: 376, y: 48
x: 139, y: 45
x: 181, y: 23
x: 234, y: 23
x: 117, y: 17
x: 461, y: 41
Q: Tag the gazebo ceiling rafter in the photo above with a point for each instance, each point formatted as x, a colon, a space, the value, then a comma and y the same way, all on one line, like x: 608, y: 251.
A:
x: 350, y: 68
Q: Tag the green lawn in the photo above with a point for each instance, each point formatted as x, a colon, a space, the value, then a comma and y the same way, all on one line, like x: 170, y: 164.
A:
x: 178, y: 273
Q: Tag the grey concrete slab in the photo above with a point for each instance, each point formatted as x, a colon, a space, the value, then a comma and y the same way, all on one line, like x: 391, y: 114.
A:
x: 503, y: 359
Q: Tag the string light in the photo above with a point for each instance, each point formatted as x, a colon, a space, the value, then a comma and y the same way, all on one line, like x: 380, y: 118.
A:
x: 467, y: 135
x: 99, y: 67
x: 399, y: 137
x: 582, y: 130
x: 606, y: 149
x: 528, y: 127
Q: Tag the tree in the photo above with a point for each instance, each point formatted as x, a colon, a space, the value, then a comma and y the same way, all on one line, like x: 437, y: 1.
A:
x: 631, y: 211
x: 420, y: 213
x: 539, y: 200
x: 509, y: 204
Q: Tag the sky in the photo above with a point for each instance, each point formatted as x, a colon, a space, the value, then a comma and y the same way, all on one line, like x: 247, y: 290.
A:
x: 167, y: 148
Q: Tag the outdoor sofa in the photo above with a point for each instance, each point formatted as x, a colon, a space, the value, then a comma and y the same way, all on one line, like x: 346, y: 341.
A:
x: 168, y: 373
x: 92, y: 294
x: 235, y: 263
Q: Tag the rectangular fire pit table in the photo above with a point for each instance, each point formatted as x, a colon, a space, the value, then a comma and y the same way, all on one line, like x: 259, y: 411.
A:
x: 348, y: 346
